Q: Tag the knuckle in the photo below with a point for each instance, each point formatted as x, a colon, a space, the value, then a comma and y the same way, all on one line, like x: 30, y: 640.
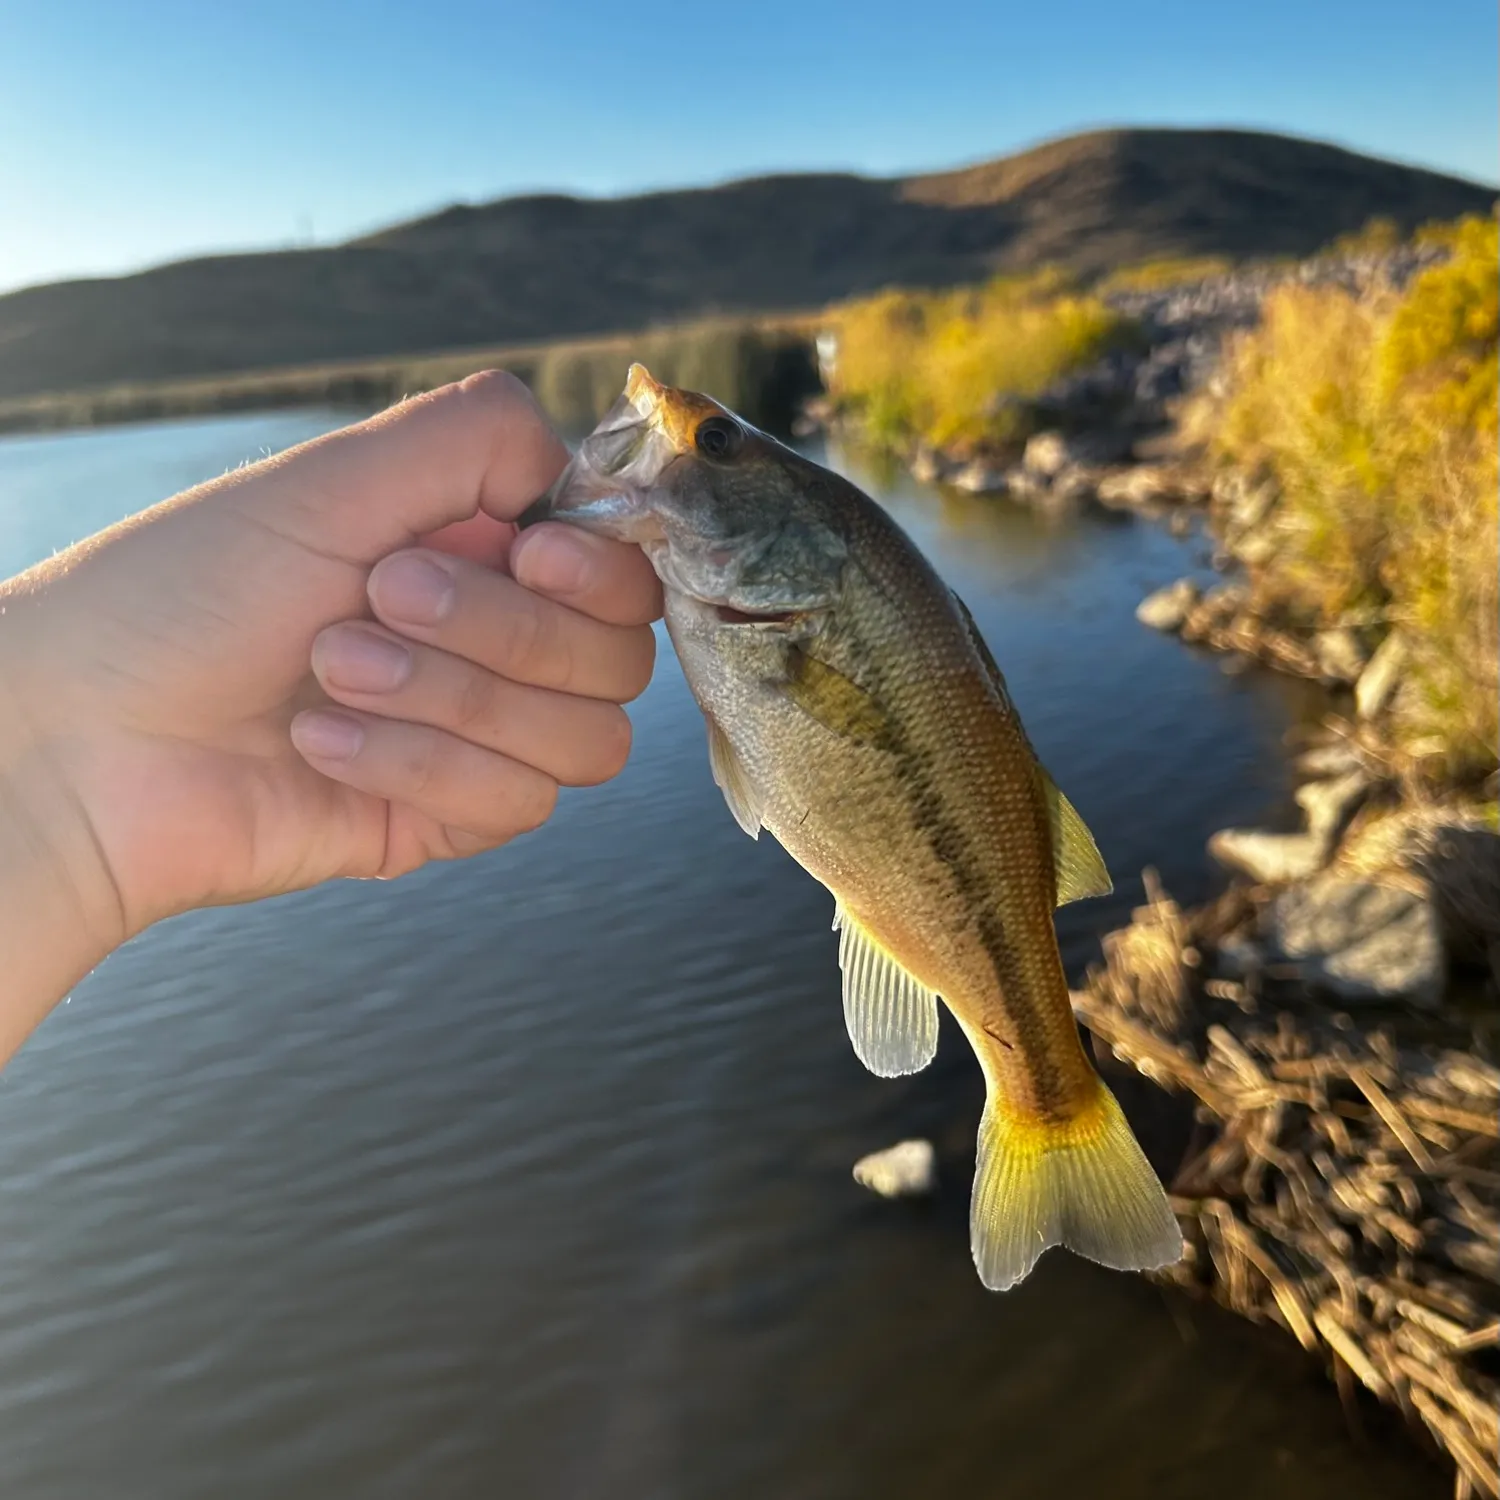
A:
x: 499, y: 388
x: 420, y: 765
x: 534, y: 803
x: 536, y: 649
x: 474, y: 701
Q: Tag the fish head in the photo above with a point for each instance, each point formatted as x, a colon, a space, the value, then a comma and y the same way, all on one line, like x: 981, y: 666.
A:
x: 737, y: 526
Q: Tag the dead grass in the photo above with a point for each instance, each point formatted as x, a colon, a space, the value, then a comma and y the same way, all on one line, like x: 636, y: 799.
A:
x: 1377, y: 417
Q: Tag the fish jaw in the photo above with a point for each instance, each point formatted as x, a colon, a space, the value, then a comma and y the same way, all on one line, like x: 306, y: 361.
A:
x: 607, y: 486
x: 638, y: 477
x: 612, y: 483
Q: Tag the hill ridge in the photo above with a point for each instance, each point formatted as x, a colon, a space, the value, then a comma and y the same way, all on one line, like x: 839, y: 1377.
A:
x: 554, y: 265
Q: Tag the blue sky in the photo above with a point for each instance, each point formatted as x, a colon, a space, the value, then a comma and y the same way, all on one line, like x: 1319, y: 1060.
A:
x: 135, y: 131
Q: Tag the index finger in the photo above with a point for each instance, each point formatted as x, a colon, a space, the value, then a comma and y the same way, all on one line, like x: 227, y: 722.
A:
x: 596, y: 575
x: 480, y: 446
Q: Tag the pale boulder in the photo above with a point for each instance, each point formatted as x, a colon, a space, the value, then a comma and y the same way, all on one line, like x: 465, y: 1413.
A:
x: 905, y: 1170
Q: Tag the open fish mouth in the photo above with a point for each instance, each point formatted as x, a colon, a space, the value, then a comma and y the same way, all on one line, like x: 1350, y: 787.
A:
x: 617, y: 464
x: 729, y: 615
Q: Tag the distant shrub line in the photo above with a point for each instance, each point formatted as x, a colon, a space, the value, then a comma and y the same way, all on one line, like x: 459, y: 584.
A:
x: 956, y: 369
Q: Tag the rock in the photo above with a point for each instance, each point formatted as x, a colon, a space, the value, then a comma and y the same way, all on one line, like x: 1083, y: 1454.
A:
x: 1340, y: 654
x: 1244, y: 500
x: 1361, y: 941
x: 928, y: 465
x: 1101, y: 388
x: 1255, y: 547
x: 1228, y: 600
x: 1021, y: 484
x: 1279, y: 647
x: 1049, y: 453
x: 1330, y: 804
x: 1378, y: 680
x: 979, y: 478
x: 1046, y: 454
x: 1168, y: 607
x: 1141, y: 484
x: 1269, y: 858
x: 905, y: 1170
x: 1332, y: 759
x: 1215, y: 609
x: 1074, y: 484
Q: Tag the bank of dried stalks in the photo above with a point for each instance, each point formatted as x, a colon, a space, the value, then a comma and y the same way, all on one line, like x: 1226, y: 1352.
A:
x: 1344, y: 1182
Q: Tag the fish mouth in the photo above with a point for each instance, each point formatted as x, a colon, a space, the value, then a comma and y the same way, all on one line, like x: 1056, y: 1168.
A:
x: 606, y: 481
x: 729, y: 615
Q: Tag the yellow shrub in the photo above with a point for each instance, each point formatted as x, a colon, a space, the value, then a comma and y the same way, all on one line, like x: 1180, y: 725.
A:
x: 936, y: 366
x: 1377, y: 236
x: 1153, y: 275
x: 1441, y: 341
x: 1377, y: 417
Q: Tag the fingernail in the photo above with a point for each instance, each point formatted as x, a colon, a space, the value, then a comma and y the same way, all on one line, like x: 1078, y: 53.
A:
x: 556, y: 560
x: 321, y: 735
x: 412, y: 588
x: 361, y: 661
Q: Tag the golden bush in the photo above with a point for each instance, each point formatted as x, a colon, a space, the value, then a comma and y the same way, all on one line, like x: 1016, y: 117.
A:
x: 1377, y: 416
x: 939, y: 366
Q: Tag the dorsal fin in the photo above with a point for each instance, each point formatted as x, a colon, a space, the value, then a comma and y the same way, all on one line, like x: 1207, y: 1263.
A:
x: 982, y: 651
x: 892, y: 1017
x: 1080, y: 867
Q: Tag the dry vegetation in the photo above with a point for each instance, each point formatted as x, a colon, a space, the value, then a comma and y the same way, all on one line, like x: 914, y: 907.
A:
x: 1344, y: 1187
x: 1376, y: 417
x: 1153, y: 275
x: 954, y: 369
x: 761, y: 367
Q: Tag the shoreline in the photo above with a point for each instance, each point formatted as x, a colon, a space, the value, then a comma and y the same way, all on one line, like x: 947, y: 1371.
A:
x: 765, y: 365
x: 1344, y: 1178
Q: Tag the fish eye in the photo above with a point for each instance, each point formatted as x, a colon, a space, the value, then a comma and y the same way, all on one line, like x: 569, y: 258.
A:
x: 719, y: 438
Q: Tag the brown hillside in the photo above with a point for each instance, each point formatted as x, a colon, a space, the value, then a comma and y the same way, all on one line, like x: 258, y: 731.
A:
x: 541, y: 267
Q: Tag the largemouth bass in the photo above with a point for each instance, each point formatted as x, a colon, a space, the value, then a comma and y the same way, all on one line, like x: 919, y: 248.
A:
x: 854, y: 711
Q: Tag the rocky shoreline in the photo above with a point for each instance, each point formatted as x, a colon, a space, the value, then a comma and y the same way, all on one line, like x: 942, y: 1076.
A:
x: 1345, y: 1179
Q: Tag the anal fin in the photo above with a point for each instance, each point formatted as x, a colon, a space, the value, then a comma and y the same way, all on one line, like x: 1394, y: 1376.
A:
x: 892, y: 1017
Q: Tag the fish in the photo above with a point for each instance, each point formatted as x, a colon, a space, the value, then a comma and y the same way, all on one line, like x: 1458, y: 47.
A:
x: 854, y: 711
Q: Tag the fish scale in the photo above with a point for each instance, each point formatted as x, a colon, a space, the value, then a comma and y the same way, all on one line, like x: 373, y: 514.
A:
x: 856, y: 713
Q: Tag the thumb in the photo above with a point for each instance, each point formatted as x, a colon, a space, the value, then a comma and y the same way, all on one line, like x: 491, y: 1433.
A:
x: 482, y: 445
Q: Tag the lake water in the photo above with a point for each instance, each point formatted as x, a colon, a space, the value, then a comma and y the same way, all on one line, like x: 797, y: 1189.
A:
x: 529, y: 1176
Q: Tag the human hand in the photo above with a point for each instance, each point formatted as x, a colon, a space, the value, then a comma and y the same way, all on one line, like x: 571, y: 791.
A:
x: 164, y: 743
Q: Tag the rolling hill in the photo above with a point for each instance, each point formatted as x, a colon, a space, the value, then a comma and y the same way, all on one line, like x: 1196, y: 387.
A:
x: 551, y: 266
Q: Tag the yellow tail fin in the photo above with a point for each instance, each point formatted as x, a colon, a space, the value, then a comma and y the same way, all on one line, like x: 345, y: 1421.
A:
x: 1084, y: 1183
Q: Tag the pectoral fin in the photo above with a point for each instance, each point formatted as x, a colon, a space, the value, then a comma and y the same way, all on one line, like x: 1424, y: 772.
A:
x: 837, y: 702
x: 892, y: 1018
x: 744, y: 801
x: 1080, y: 866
